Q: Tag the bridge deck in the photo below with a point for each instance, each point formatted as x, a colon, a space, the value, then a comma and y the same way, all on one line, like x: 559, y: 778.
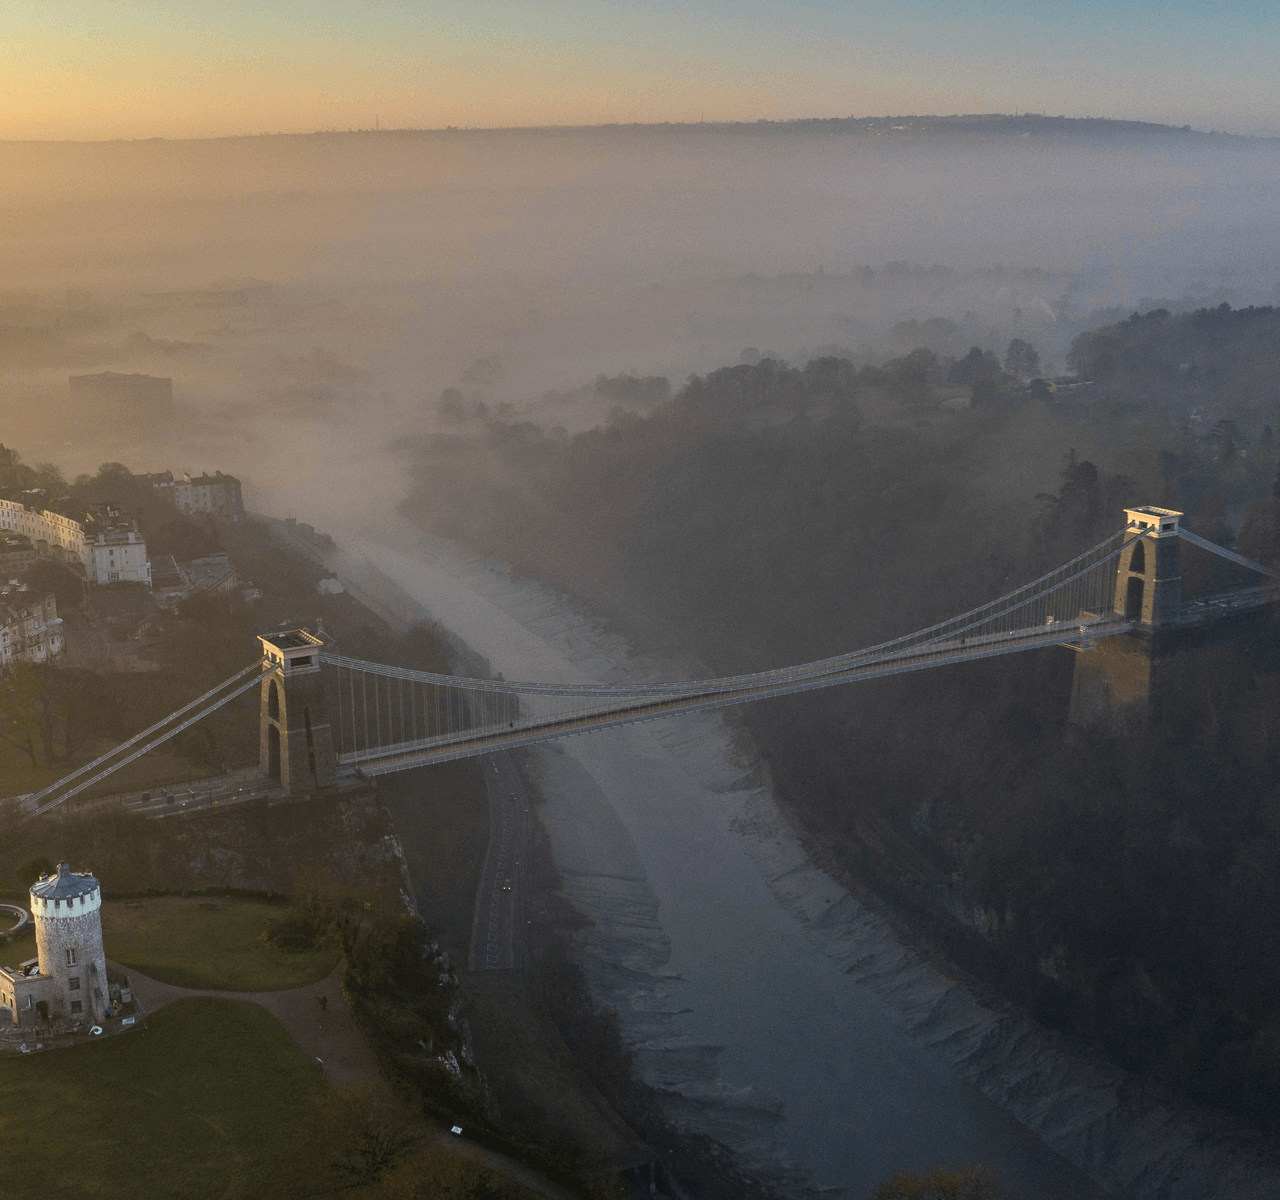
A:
x: 487, y: 740
x: 460, y: 718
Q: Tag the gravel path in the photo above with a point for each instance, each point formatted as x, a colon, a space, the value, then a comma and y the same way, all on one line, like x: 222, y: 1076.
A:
x: 327, y: 1035
x: 330, y: 1036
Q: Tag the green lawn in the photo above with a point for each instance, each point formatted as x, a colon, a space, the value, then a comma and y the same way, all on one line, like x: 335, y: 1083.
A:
x: 18, y: 776
x: 181, y: 941
x: 195, y: 1105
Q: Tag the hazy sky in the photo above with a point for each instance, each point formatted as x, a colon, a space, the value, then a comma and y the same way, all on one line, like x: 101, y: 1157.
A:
x: 83, y: 69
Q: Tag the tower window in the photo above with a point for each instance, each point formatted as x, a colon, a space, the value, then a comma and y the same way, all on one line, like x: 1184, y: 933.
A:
x: 74, y: 983
x: 76, y: 1006
x: 71, y: 956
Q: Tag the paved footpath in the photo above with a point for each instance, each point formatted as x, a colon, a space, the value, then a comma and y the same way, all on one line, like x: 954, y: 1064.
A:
x: 331, y: 1035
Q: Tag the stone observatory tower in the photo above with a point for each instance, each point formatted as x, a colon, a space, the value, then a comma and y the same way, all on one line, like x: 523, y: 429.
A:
x: 69, y: 942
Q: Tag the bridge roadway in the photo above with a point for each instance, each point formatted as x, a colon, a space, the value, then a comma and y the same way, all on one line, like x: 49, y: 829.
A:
x: 469, y: 743
x: 497, y: 936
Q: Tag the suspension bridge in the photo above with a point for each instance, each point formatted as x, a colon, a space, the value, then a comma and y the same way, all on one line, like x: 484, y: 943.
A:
x: 326, y: 717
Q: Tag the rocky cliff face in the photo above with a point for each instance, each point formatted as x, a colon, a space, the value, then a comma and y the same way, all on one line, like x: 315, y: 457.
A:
x: 256, y: 845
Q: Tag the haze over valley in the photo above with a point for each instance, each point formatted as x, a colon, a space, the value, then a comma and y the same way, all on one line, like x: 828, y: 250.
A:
x: 648, y: 403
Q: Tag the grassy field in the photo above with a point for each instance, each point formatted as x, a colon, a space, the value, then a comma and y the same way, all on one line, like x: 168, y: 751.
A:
x: 12, y: 953
x: 196, y: 1105
x: 201, y: 942
x: 17, y: 774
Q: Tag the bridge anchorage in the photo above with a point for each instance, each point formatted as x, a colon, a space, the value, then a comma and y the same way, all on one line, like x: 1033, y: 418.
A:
x: 325, y: 717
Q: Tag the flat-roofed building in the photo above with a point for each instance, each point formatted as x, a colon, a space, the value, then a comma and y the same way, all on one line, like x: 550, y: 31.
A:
x: 117, y: 553
x: 16, y: 551
x: 217, y: 494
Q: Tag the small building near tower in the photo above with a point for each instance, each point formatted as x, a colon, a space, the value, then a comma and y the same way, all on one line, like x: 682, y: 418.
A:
x: 67, y: 983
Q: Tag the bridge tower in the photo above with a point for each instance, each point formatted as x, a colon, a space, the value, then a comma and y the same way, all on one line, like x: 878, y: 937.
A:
x: 296, y: 745
x: 1114, y: 681
x: 1149, y: 574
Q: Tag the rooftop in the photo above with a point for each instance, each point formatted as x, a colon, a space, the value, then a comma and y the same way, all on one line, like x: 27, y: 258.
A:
x: 293, y: 639
x: 64, y: 883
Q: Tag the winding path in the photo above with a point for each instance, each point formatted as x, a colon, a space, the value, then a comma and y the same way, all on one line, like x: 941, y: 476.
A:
x: 21, y: 919
x: 328, y: 1036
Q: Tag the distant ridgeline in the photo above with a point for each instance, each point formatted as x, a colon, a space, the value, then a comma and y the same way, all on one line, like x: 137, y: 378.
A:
x: 983, y: 124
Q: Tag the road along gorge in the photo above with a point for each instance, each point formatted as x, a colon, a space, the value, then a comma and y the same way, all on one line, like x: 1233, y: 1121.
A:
x: 780, y: 1016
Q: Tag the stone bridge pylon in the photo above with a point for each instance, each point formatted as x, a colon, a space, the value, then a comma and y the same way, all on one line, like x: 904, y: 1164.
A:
x: 296, y: 747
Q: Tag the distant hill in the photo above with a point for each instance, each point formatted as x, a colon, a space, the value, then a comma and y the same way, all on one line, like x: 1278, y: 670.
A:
x: 1036, y: 125
x: 987, y: 124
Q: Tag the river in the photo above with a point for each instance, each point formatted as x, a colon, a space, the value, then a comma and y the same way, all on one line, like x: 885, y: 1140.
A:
x: 780, y: 1015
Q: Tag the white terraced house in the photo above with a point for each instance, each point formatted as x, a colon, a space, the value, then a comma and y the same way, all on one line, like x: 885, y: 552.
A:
x: 40, y: 524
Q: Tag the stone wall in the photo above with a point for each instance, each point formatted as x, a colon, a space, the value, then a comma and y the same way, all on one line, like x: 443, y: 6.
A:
x: 85, y: 980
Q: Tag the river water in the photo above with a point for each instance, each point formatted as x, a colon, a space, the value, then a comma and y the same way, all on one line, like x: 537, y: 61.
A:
x: 780, y: 1016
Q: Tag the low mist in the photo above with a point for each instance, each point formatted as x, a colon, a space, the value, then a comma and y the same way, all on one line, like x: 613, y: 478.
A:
x: 313, y: 298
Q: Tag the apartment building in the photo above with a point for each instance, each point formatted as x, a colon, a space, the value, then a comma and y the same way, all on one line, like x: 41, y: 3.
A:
x: 30, y: 628
x: 25, y: 513
x: 217, y: 494
x: 117, y: 553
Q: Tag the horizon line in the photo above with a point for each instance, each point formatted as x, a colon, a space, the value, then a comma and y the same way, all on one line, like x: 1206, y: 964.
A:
x: 735, y: 123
